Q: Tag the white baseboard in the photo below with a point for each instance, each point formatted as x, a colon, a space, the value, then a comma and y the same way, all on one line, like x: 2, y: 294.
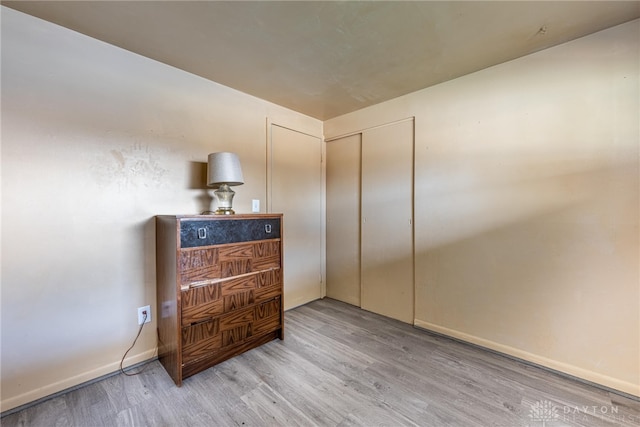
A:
x: 69, y: 383
x: 575, y: 371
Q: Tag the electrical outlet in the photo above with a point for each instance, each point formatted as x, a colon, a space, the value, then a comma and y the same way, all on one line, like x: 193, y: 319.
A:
x: 255, y: 205
x: 141, y: 312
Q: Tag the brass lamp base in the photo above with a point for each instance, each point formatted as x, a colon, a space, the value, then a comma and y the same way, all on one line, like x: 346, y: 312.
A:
x: 225, y: 199
x: 224, y: 211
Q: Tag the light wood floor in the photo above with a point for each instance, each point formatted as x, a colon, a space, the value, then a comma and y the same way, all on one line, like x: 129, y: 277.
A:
x: 342, y: 366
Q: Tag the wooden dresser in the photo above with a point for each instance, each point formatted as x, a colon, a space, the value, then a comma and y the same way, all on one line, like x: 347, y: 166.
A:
x: 219, y: 288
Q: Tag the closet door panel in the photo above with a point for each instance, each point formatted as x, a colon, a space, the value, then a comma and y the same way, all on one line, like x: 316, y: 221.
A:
x: 343, y: 219
x: 387, y: 284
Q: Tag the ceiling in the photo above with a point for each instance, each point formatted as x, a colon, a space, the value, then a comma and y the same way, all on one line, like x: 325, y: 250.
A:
x: 328, y: 58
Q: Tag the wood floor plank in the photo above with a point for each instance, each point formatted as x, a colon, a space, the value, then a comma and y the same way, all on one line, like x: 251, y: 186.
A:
x: 342, y: 366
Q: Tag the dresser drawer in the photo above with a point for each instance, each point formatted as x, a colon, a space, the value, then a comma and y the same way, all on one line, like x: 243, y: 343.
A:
x: 269, y: 285
x: 195, y: 233
x: 204, y: 302
x: 198, y: 265
x: 267, y: 317
x: 202, y: 339
x: 266, y: 255
x: 201, y: 303
x: 206, y: 338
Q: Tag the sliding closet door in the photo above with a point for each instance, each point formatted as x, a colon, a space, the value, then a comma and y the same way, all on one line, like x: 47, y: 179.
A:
x: 296, y: 191
x: 343, y: 219
x: 387, y: 221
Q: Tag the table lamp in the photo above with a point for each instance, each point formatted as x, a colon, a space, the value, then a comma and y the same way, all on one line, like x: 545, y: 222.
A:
x: 224, y: 171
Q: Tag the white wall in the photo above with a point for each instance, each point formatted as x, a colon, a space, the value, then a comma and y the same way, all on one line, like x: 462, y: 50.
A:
x: 527, y: 205
x: 95, y: 142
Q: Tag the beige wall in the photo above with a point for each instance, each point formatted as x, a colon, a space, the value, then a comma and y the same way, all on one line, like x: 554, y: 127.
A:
x: 526, y: 204
x: 95, y: 142
x: 527, y: 207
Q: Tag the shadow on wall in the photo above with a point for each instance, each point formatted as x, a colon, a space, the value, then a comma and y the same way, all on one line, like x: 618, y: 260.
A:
x: 150, y: 270
x: 198, y: 181
x: 107, y: 348
x: 466, y: 197
x: 543, y: 259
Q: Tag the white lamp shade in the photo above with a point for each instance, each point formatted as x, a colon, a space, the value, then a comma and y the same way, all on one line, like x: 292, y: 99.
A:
x: 224, y: 168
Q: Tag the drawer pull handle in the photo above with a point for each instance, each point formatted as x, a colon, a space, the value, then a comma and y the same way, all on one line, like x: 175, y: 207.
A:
x: 267, y: 228
x: 198, y: 322
x: 202, y: 233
